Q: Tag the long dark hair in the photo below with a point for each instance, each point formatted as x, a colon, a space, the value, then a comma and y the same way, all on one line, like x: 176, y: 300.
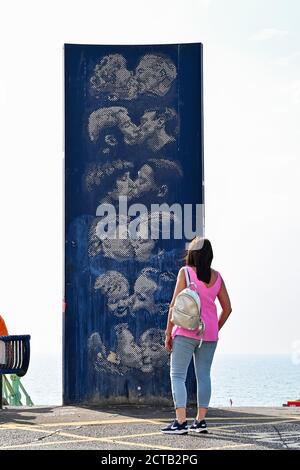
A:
x: 200, y: 255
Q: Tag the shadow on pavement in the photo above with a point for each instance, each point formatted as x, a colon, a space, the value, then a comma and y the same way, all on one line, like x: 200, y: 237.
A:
x: 22, y: 415
x: 167, y: 412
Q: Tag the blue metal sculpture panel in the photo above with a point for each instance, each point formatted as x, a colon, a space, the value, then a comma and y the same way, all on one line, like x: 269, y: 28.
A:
x: 133, y: 128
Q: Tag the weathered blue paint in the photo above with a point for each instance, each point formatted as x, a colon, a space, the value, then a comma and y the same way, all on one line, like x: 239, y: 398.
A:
x: 111, y: 355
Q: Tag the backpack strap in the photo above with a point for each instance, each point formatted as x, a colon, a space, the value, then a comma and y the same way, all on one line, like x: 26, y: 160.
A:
x: 187, y: 276
x: 191, y: 284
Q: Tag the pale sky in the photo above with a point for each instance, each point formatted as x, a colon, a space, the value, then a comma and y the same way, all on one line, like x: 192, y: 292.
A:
x: 252, y: 111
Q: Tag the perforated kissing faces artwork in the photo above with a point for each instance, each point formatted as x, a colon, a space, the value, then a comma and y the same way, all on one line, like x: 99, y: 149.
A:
x: 133, y: 151
x: 152, y: 75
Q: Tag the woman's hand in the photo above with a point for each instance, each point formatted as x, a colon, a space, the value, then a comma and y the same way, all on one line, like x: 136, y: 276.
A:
x: 168, y: 343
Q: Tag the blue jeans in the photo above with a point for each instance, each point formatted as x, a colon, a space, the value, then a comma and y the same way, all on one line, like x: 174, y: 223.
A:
x: 183, y: 350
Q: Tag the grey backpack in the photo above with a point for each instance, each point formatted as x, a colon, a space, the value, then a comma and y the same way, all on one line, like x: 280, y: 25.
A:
x: 186, y: 311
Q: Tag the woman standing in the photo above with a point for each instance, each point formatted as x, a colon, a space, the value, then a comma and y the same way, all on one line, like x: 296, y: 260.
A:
x: 184, y: 344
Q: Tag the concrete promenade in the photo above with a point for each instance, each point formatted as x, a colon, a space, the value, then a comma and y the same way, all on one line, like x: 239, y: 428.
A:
x: 124, y: 427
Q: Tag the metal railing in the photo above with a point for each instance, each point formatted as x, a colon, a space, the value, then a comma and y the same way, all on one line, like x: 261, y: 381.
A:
x: 14, y: 393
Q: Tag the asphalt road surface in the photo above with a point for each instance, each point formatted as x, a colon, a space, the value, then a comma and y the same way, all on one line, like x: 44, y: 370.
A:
x: 138, y: 427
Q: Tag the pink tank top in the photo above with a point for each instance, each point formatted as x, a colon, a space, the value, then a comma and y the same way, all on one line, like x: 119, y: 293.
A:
x: 208, y: 309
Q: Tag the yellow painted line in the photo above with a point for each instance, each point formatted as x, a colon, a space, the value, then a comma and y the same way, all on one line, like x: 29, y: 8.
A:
x: 80, y: 438
x: 210, y: 431
x: 95, y: 423
x: 110, y: 440
x: 76, y: 441
x: 36, y: 427
x: 79, y: 423
x: 251, y: 418
x: 100, y: 422
x: 156, y: 421
x: 266, y: 418
x: 227, y: 426
x: 43, y: 444
x: 150, y: 446
x: 119, y: 439
x: 157, y: 433
x: 66, y: 434
x: 160, y: 422
x: 231, y: 446
x: 45, y: 431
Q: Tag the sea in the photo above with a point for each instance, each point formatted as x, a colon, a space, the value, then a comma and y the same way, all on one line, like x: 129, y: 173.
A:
x: 237, y: 379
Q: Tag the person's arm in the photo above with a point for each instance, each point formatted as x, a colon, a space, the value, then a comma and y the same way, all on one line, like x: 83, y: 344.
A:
x: 180, y: 285
x: 225, y: 304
